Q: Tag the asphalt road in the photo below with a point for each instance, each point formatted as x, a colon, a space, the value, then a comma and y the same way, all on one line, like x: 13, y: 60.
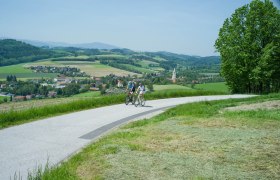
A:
x: 27, y: 146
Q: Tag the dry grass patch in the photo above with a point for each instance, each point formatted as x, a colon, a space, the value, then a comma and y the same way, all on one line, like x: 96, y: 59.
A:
x: 255, y: 106
x: 216, y: 149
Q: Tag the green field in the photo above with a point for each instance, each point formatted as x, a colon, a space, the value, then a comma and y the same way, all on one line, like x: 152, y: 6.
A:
x: 20, y: 72
x: 135, y: 68
x: 92, y: 68
x: 221, y: 87
x: 89, y: 94
x: 192, y: 141
x: 170, y: 86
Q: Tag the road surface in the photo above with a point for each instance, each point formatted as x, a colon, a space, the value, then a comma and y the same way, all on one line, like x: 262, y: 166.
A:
x: 25, y: 147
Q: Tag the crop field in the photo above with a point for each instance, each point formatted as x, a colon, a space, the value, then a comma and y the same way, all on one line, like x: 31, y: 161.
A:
x: 92, y: 68
x: 220, y: 86
x: 193, y: 141
x: 20, y: 72
x: 170, y: 86
x: 109, y: 56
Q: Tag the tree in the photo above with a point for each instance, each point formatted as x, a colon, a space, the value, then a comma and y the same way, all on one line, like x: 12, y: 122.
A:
x: 71, y: 89
x: 248, y: 43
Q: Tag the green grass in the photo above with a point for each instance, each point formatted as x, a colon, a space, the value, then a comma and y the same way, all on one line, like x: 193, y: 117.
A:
x: 170, y: 86
x: 191, y: 141
x: 2, y: 99
x: 220, y: 86
x: 20, y: 72
x: 87, y: 94
x: 135, y: 68
x: 12, y: 117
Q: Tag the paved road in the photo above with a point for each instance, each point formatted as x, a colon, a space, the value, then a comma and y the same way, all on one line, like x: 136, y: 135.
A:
x: 24, y: 147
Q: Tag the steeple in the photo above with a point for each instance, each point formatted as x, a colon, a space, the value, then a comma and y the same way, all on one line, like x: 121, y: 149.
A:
x: 174, y: 76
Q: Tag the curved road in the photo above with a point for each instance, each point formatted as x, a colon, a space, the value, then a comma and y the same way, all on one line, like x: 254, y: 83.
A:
x: 24, y: 147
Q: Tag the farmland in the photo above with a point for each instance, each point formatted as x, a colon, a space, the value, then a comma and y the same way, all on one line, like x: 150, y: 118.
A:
x: 92, y: 68
x: 20, y: 72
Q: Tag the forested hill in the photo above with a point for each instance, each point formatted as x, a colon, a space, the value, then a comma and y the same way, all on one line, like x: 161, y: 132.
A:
x: 15, y: 52
x: 187, y: 60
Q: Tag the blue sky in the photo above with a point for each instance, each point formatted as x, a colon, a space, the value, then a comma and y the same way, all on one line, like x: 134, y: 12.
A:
x: 180, y: 26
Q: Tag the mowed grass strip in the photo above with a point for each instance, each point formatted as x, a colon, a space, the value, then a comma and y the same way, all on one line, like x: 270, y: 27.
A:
x: 192, y: 141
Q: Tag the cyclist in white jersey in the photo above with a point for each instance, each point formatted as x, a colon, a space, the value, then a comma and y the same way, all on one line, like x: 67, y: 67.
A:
x: 141, y: 89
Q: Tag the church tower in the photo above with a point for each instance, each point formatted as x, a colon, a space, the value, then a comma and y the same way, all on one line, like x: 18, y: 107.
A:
x: 174, y: 76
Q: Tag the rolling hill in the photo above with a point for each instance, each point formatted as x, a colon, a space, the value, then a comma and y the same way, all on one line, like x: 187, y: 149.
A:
x: 16, y: 52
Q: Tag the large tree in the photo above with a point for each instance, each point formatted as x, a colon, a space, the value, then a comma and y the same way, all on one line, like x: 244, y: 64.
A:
x: 249, y: 45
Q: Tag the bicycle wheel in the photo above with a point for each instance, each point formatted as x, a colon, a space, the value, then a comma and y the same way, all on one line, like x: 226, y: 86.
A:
x: 143, y: 101
x: 133, y: 100
x: 136, y: 103
x: 126, y: 100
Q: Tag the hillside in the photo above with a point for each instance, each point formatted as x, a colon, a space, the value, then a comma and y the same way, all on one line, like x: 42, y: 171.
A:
x: 15, y: 52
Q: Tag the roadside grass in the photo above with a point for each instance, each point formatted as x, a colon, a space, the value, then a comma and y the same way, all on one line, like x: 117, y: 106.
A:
x: 191, y: 141
x: 220, y: 86
x: 13, y: 117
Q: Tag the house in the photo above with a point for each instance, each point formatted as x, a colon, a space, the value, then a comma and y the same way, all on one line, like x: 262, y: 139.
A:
x: 2, y: 86
x: 52, y: 94
x: 120, y: 83
x: 28, y: 97
x: 19, y: 98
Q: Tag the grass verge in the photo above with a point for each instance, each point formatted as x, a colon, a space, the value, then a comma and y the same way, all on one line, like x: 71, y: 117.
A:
x: 10, y: 118
x: 192, y: 141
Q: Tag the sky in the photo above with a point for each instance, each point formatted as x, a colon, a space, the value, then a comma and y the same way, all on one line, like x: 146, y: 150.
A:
x: 180, y: 26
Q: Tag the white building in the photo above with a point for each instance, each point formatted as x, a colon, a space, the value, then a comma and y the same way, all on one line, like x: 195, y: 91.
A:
x: 174, y: 76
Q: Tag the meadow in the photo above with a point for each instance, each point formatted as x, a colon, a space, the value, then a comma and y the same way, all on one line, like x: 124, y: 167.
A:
x: 20, y: 72
x: 193, y: 141
x: 219, y: 86
x: 91, y: 68
x: 170, y: 86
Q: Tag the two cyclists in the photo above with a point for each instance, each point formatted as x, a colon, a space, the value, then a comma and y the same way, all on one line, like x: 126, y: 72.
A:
x: 135, y: 99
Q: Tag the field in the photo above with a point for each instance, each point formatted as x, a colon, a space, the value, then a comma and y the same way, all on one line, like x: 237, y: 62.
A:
x: 220, y: 86
x: 136, y: 68
x: 92, y: 68
x: 170, y: 86
x: 20, y: 72
x: 194, y: 141
x: 87, y: 94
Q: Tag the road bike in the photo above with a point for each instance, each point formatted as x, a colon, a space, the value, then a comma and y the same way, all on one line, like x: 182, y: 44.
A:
x: 140, y: 100
x: 130, y: 98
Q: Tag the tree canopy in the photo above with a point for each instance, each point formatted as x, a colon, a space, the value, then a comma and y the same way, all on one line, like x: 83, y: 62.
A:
x: 249, y: 45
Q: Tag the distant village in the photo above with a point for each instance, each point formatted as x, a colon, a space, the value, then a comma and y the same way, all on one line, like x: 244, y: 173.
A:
x: 67, y: 71
x: 68, y: 83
